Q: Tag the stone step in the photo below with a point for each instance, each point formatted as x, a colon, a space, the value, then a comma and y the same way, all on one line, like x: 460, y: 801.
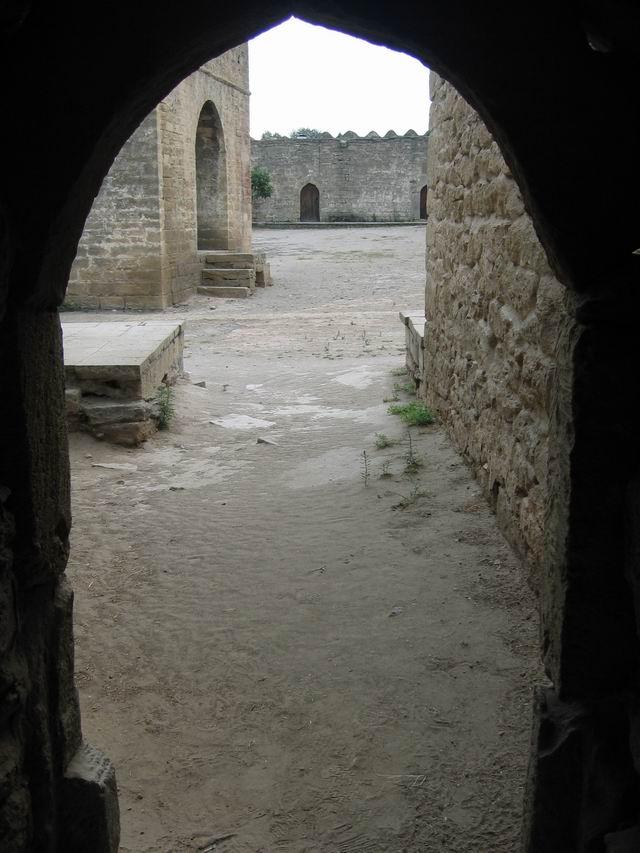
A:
x: 226, y: 292
x: 243, y: 274
x: 229, y: 260
x: 230, y: 278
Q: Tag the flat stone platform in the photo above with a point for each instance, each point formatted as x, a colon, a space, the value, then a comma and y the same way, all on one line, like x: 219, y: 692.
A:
x: 113, y: 372
x: 129, y: 359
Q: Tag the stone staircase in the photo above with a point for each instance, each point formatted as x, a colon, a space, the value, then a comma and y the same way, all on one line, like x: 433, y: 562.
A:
x: 234, y: 275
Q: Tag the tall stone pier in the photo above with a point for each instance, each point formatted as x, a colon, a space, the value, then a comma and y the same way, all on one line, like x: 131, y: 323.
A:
x: 181, y: 184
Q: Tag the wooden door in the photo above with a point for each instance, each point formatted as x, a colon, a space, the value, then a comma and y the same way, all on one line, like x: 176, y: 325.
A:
x: 423, y: 202
x: 309, y: 203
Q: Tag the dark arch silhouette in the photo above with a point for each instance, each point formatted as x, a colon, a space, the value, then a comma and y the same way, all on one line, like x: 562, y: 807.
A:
x: 584, y: 88
x: 309, y: 203
x: 423, y: 202
x: 211, y: 181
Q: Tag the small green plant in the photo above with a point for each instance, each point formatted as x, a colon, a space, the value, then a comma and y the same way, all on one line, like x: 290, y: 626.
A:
x: 365, y: 468
x: 399, y: 371
x: 261, y: 184
x: 165, y: 408
x: 415, y: 413
x: 383, y: 441
x: 409, y: 388
x: 408, y: 500
x: 385, y: 472
x: 392, y: 399
x: 413, y: 461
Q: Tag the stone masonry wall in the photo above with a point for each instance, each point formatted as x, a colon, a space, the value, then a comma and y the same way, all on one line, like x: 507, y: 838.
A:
x: 138, y: 248
x: 495, y: 318
x: 119, y: 258
x: 359, y: 178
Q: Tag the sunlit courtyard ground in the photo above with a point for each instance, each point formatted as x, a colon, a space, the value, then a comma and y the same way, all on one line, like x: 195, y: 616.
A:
x: 285, y: 640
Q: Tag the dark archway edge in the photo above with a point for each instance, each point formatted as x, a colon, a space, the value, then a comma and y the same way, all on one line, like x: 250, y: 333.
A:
x: 88, y: 75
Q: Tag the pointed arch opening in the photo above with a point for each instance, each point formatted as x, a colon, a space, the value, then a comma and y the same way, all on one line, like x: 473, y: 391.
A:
x: 211, y: 181
x: 309, y: 203
x: 423, y: 202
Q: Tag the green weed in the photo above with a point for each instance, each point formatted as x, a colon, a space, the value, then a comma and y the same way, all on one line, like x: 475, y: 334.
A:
x: 385, y: 472
x: 411, y: 458
x: 164, y: 403
x: 365, y: 468
x: 415, y: 413
x: 383, y: 441
x: 408, y: 500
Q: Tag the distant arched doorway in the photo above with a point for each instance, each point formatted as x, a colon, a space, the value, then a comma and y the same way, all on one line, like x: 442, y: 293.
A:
x: 423, y: 202
x: 211, y: 181
x: 309, y: 203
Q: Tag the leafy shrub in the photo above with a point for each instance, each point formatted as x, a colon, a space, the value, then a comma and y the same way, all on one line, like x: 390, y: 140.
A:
x: 261, y: 184
x: 164, y: 403
x: 413, y: 414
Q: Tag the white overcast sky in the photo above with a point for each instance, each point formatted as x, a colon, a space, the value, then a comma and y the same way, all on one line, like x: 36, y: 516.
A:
x: 308, y: 76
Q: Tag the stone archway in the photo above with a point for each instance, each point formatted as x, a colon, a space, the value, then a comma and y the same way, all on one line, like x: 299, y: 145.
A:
x: 423, y: 202
x: 211, y: 181
x: 309, y: 203
x: 583, y: 88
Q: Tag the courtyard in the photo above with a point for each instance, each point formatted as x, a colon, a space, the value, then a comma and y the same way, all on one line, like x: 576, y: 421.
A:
x: 289, y: 637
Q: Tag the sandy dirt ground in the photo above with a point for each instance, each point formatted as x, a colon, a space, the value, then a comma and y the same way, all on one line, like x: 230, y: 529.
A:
x: 280, y: 656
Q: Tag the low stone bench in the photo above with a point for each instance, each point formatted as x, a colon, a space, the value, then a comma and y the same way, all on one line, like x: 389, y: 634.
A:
x: 414, y: 331
x: 113, y: 371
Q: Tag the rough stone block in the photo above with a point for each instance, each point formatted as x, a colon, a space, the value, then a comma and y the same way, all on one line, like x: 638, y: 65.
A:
x: 263, y: 275
x: 91, y: 817
x: 100, y: 412
x: 128, y: 434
